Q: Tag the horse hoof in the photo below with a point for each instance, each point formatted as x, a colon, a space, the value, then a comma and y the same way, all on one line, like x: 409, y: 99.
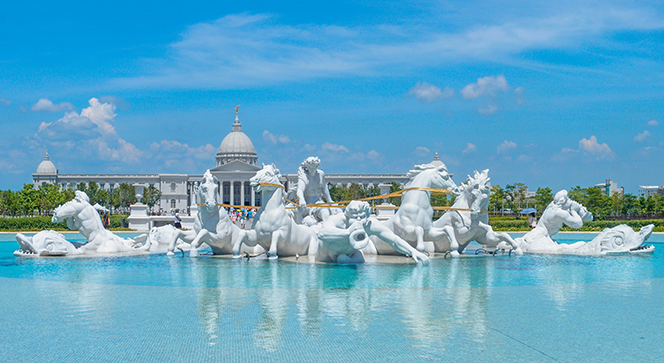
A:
x: 170, y: 253
x: 193, y: 253
x: 237, y: 256
x: 454, y: 254
x: 273, y: 257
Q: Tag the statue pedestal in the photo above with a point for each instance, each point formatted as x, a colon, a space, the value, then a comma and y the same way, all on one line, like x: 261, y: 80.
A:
x: 383, y: 214
x: 138, y: 217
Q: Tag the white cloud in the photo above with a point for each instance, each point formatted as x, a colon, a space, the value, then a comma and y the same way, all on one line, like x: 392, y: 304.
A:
x: 254, y: 49
x: 275, y: 139
x: 485, y: 86
x: 642, y: 136
x: 470, y: 148
x: 5, y: 101
x: 333, y: 147
x: 117, y: 101
x: 524, y: 157
x: 428, y: 93
x: 421, y: 151
x: 373, y: 155
x: 488, y: 109
x: 520, y: 98
x: 593, y: 149
x: 46, y: 105
x: 653, y: 123
x: 172, y: 152
x: 92, y: 130
x: 506, y: 146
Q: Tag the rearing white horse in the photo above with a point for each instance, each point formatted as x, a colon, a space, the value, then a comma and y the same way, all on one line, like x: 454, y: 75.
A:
x: 274, y: 228
x: 413, y: 222
x: 211, y: 225
x: 471, y: 225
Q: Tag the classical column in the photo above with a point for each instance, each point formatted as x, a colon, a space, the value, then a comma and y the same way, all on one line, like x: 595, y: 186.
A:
x: 253, y: 197
x: 232, y: 192
x: 242, y: 193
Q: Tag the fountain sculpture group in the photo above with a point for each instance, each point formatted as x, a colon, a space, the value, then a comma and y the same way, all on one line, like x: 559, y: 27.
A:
x: 315, y: 225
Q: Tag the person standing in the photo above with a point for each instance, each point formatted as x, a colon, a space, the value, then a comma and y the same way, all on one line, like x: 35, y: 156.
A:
x: 177, y: 221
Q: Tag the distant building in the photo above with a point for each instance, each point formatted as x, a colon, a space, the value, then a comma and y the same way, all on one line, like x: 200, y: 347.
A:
x: 610, y: 187
x: 235, y: 163
x: 650, y: 190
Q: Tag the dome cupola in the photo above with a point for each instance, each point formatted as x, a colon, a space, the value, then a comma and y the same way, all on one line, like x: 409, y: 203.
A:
x: 236, y: 146
x: 47, y: 167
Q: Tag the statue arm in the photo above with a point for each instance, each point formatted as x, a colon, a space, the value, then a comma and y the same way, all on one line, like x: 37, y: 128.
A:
x: 388, y: 236
x: 302, y: 182
x: 326, y: 191
x: 571, y: 218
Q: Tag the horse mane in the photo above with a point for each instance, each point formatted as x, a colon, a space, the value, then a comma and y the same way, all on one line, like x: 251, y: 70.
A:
x: 418, y: 170
x: 479, y: 178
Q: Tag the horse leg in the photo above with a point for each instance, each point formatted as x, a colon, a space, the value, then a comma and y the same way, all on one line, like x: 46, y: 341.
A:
x: 239, y: 237
x: 174, y: 238
x: 447, y: 231
x: 201, y: 237
x: 276, y: 236
x: 494, y: 238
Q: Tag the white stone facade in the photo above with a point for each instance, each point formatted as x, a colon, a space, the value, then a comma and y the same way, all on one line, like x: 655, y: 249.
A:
x: 236, y: 162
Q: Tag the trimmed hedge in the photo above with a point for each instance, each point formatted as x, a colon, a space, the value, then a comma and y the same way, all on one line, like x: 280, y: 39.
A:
x: 30, y: 224
x: 44, y: 223
x: 594, y: 226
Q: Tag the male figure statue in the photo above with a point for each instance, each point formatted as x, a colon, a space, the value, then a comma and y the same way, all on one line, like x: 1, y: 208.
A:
x: 562, y: 211
x: 344, y: 234
x: 82, y: 216
x: 311, y: 188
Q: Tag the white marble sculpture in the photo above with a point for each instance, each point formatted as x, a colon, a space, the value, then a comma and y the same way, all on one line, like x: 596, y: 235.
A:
x: 344, y: 235
x: 274, y: 228
x: 564, y: 211
x: 471, y: 225
x: 211, y: 224
x: 44, y: 243
x: 311, y: 188
x: 160, y: 238
x: 413, y: 221
x: 81, y: 216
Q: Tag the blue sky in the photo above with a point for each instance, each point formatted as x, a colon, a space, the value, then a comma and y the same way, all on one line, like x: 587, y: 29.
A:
x: 554, y: 95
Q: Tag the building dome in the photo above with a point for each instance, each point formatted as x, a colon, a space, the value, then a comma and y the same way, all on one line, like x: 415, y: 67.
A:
x: 46, y: 166
x: 436, y: 160
x: 236, y: 146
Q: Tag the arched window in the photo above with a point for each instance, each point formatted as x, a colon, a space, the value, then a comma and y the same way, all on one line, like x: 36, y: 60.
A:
x: 172, y: 203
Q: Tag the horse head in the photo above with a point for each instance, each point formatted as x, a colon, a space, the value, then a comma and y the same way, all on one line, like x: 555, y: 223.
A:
x: 476, y: 191
x: 268, y: 175
x: 207, y: 194
x: 67, y: 210
x: 430, y: 175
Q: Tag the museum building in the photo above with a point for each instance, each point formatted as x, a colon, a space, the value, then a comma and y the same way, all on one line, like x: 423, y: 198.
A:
x: 236, y: 162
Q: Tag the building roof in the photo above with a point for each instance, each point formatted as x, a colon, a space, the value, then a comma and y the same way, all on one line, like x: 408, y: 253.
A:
x: 236, y: 142
x: 436, y: 160
x: 46, y: 166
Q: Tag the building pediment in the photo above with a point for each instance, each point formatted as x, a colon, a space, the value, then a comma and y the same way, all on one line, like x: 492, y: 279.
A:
x: 236, y: 166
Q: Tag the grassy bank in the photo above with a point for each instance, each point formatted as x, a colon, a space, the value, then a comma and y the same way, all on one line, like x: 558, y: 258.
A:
x: 507, y: 224
x: 44, y: 223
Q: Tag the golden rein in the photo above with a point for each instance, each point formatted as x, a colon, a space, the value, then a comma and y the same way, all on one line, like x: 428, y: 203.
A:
x: 343, y: 203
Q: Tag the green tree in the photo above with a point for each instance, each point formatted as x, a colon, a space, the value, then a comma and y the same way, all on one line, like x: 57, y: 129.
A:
x: 151, y: 196
x: 123, y: 196
x: 515, y: 195
x: 543, y: 197
x: 28, y: 199
x: 395, y: 187
x: 497, y: 198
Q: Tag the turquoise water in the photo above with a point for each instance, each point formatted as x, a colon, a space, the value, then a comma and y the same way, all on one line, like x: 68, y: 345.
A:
x: 155, y: 308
